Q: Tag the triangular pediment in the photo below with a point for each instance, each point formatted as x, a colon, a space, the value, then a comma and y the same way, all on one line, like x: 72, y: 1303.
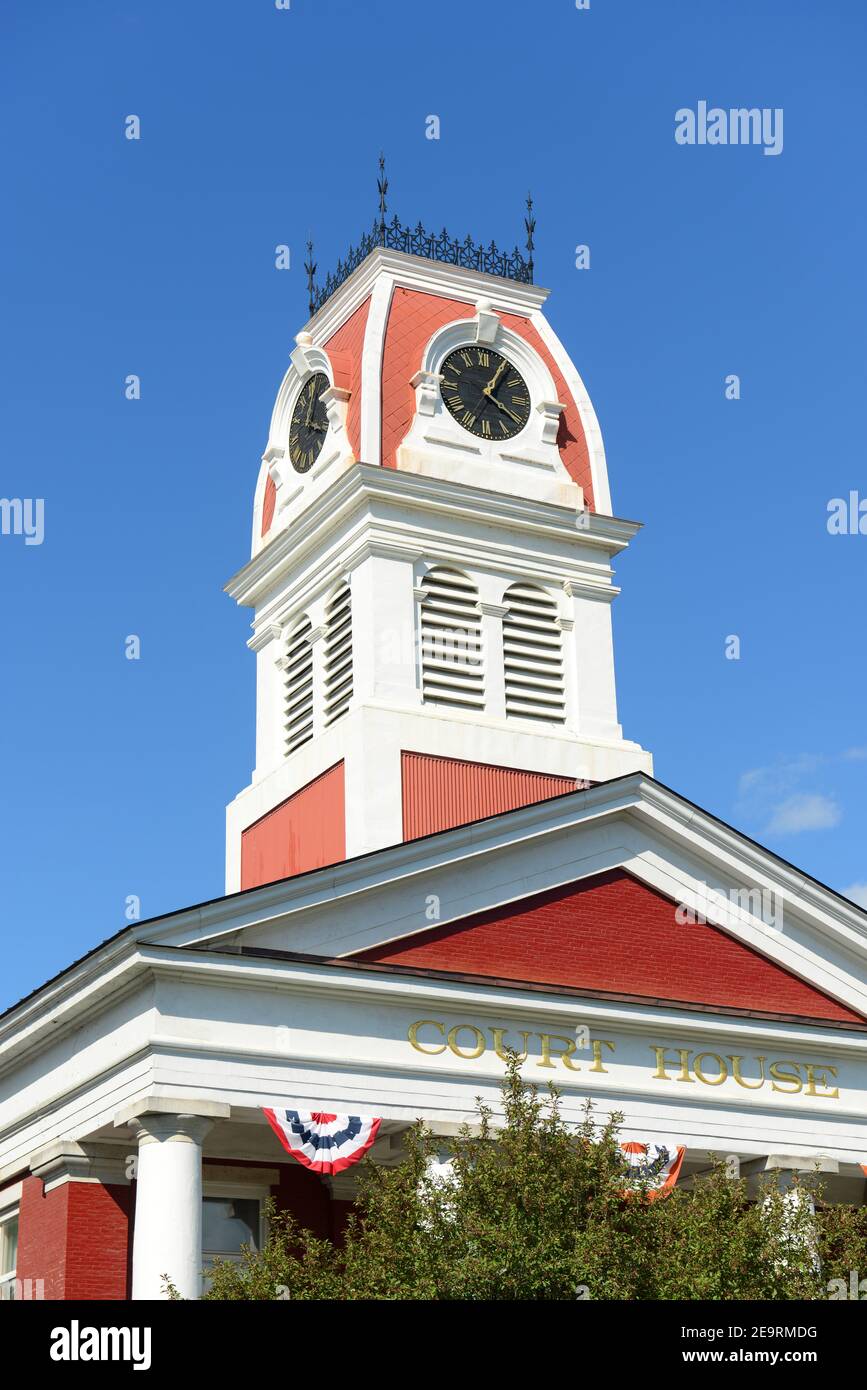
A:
x: 612, y: 934
x: 583, y: 892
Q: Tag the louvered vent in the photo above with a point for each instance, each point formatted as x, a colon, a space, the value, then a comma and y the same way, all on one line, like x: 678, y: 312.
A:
x: 533, y: 657
x: 451, y: 641
x: 338, y: 655
x: 299, y: 686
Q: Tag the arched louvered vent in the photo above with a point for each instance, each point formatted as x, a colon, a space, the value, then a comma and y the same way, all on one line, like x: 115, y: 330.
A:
x: 299, y: 686
x: 532, y: 654
x: 451, y: 641
x: 338, y: 654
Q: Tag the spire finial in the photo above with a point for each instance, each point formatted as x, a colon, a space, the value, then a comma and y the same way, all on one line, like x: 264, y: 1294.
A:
x: 382, y: 185
x: 310, y: 267
x: 530, y: 224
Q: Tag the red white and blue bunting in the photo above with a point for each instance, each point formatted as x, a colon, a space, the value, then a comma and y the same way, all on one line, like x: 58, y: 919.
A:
x: 652, y: 1169
x: 324, y: 1142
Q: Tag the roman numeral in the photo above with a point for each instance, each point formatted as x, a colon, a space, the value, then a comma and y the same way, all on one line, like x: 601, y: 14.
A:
x: 466, y: 356
x: 486, y: 428
x: 484, y: 357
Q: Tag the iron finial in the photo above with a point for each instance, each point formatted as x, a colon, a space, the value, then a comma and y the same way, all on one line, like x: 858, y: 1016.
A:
x: 310, y: 267
x: 530, y: 224
x: 382, y: 185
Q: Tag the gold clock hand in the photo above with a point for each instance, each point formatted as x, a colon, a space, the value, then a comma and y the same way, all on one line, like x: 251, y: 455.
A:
x: 506, y: 411
x: 495, y: 378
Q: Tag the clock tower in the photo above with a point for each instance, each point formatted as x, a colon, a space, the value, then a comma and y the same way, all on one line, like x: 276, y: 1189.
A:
x: 431, y: 574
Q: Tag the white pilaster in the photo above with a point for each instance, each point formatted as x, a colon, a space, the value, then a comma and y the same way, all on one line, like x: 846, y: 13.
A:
x: 492, y: 649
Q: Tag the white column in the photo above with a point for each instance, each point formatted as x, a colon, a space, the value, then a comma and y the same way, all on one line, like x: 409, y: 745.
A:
x: 167, y: 1240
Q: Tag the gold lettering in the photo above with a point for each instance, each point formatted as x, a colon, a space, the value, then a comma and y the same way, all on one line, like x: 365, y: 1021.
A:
x: 822, y: 1073
x: 661, y: 1074
x: 736, y: 1073
x: 597, y: 1045
x: 498, y: 1034
x: 568, y: 1050
x: 794, y: 1082
x: 413, y: 1036
x: 471, y: 1028
x: 711, y: 1081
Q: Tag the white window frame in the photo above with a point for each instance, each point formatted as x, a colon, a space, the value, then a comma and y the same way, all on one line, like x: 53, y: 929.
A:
x: 8, y: 1278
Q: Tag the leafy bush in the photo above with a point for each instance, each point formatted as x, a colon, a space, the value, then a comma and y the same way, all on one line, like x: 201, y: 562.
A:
x: 536, y: 1210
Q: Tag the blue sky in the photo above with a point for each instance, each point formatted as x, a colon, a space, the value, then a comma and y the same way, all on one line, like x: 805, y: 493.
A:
x: 156, y: 257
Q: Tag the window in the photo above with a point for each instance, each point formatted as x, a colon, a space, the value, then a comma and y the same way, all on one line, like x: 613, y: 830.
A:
x: 299, y: 686
x: 532, y: 655
x: 452, y: 670
x: 230, y: 1220
x: 8, y: 1257
x: 338, y: 654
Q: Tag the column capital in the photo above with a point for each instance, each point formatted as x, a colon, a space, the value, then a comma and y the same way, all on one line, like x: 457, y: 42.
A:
x: 163, y: 1129
x: 152, y: 1105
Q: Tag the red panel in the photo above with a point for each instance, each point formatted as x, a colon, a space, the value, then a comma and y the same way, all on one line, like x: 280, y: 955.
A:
x: 413, y: 318
x: 344, y: 349
x: 615, y: 934
x: 268, y: 502
x: 304, y: 832
x: 75, y: 1238
x: 570, y: 436
x: 441, y: 792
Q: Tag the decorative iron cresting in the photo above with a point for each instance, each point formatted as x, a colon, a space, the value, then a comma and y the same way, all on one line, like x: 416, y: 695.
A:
x: 415, y: 241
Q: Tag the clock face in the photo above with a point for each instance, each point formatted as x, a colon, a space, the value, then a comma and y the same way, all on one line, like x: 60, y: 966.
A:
x: 484, y: 392
x: 309, y: 424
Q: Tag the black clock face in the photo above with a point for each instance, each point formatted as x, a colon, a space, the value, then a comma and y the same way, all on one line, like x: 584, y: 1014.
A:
x: 309, y: 424
x: 484, y: 392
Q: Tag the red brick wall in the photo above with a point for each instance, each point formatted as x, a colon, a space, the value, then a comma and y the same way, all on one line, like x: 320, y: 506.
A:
x: 75, y: 1238
x: 615, y: 934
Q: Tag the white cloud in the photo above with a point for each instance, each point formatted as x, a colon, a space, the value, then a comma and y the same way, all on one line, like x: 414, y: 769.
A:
x: 803, y: 811
x: 857, y: 892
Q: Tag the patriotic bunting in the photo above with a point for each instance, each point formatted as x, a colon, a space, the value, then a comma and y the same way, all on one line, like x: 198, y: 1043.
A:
x: 323, y: 1142
x: 652, y: 1169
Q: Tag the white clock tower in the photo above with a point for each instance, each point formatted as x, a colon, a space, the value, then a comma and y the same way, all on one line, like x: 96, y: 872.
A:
x: 431, y: 578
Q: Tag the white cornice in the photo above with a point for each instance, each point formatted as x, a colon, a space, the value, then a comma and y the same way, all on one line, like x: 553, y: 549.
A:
x: 430, y: 495
x: 431, y: 277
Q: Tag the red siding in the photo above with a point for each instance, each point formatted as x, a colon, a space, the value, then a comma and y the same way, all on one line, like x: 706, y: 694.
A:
x: 75, y: 1238
x: 304, y: 832
x: 344, y: 349
x: 441, y: 792
x: 413, y: 318
x: 571, y: 440
x: 615, y: 934
x: 268, y: 503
